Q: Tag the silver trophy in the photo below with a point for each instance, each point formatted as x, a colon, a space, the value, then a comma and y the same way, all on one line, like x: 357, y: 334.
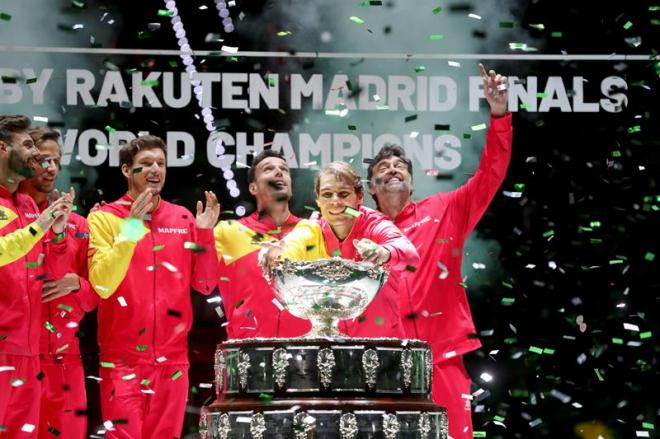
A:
x: 326, y: 291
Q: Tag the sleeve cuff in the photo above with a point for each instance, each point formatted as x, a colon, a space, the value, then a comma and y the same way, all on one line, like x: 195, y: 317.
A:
x: 501, y: 123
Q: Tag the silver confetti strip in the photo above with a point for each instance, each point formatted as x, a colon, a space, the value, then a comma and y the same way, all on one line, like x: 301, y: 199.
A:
x: 257, y: 426
x: 243, y: 366
x: 348, y: 426
x: 280, y: 365
x: 302, y: 425
x: 390, y: 426
x: 406, y: 367
x: 325, y: 360
x: 370, y: 366
x: 428, y: 367
x: 203, y: 426
x: 424, y: 426
x: 224, y: 427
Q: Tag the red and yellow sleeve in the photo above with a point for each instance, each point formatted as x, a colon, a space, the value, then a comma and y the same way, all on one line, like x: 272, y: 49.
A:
x: 305, y: 242
x: 109, y: 253
x: 18, y: 243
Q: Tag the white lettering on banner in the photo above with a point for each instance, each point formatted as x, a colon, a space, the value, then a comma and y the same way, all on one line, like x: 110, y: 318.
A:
x: 172, y: 230
x: 242, y: 91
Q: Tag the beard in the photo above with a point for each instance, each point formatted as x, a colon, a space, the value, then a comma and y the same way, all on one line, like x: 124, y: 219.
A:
x: 20, y: 166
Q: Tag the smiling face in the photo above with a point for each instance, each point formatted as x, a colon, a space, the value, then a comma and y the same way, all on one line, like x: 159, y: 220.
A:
x: 390, y: 175
x: 334, y: 195
x: 46, y: 173
x: 146, y: 172
x: 272, y: 182
x: 22, y: 155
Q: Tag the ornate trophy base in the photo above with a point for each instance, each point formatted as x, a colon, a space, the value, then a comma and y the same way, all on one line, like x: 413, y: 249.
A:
x: 305, y: 388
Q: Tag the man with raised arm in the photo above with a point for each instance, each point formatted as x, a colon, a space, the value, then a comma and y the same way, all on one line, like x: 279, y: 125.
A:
x: 433, y: 302
x: 144, y: 256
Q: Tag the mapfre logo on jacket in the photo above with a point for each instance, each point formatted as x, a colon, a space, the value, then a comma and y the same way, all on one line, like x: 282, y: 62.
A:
x: 173, y: 230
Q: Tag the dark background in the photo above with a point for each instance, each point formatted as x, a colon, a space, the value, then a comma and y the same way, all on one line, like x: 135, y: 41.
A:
x: 589, y: 209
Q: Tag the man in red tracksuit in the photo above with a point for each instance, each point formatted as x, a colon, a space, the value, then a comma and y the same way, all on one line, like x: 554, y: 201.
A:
x: 65, y: 301
x: 352, y: 231
x: 144, y: 256
x: 433, y: 301
x: 22, y: 274
x: 248, y: 300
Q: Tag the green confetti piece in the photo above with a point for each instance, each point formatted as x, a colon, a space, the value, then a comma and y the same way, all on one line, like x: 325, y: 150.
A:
x: 410, y: 118
x: 616, y: 154
x: 598, y: 374
x: 77, y: 4
x: 352, y: 127
x: 467, y: 136
x: 556, y: 34
x: 5, y: 17
x: 283, y: 33
x: 150, y: 82
x: 145, y: 382
x: 193, y: 246
x: 535, y: 350
x: 64, y: 307
x: 627, y: 25
x: 132, y: 229
x: 463, y: 284
x: 353, y: 213
x: 519, y: 186
x: 507, y: 24
x: 336, y: 252
x: 49, y: 326
x: 107, y: 364
x: 275, y: 231
x: 478, y: 434
x: 648, y: 426
x: 498, y: 418
x: 649, y: 256
x: 634, y: 129
x: 379, y: 321
x: 17, y: 382
x: 356, y: 20
x: 508, y: 299
x: 437, y: 10
x: 165, y: 13
x: 266, y: 397
x: 61, y: 348
x: 109, y: 129
x: 101, y: 288
x: 615, y: 261
x: 507, y: 284
x: 411, y: 268
x: 158, y: 247
x: 524, y: 106
x: 141, y: 348
x: 176, y: 375
x: 30, y: 264
x: 441, y: 127
x: 595, y: 224
x: 224, y: 278
x: 480, y: 127
x: 436, y: 37
x: 654, y: 8
x: 9, y: 79
x: 420, y: 69
x: 645, y: 335
x: 548, y: 351
x: 617, y: 340
x: 548, y: 233
x: 31, y: 80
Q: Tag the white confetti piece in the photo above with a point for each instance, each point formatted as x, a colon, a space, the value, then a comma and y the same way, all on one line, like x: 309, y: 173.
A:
x: 414, y: 134
x: 630, y: 327
x: 161, y: 359
x: 214, y: 299
x: 205, y: 385
x: 486, y: 377
x: 170, y: 267
x: 475, y: 16
x: 480, y: 127
x: 7, y: 368
x: 122, y: 301
x: 28, y: 428
x: 453, y: 63
x: 449, y: 354
x: 278, y: 304
x: 229, y: 49
x: 40, y: 119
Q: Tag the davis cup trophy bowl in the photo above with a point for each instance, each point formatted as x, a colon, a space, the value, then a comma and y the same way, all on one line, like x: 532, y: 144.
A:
x: 323, y: 385
x: 325, y: 291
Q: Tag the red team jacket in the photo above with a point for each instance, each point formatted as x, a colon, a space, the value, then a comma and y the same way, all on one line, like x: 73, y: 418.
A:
x: 315, y: 240
x: 247, y: 298
x: 22, y: 274
x: 60, y: 317
x: 147, y: 311
x: 434, y: 305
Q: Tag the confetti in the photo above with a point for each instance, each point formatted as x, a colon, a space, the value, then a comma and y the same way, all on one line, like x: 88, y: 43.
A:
x: 355, y: 19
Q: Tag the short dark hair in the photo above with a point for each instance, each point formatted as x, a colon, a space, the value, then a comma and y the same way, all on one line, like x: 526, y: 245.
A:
x: 386, y: 152
x: 10, y: 125
x: 41, y: 135
x: 263, y: 155
x: 128, y: 151
x: 342, y: 171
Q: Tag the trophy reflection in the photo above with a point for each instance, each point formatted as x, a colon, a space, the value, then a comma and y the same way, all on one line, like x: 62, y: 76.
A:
x: 325, y: 291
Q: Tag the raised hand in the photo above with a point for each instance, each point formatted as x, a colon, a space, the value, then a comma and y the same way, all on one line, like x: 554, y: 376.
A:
x: 371, y: 252
x: 207, y: 217
x: 142, y: 205
x: 59, y: 211
x: 269, y: 253
x: 61, y: 287
x: 59, y: 225
x: 495, y: 91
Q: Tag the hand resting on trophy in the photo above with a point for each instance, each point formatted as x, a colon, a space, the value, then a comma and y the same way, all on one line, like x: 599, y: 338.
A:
x: 371, y: 252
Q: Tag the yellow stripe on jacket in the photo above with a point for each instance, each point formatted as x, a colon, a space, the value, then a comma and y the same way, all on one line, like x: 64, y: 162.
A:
x: 305, y: 242
x: 18, y: 243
